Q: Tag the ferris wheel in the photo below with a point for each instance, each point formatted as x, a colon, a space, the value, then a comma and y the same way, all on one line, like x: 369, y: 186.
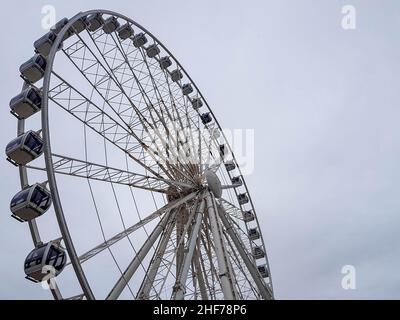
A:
x: 132, y: 181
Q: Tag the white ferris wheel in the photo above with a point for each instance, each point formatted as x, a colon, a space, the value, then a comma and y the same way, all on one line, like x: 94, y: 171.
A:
x: 119, y: 155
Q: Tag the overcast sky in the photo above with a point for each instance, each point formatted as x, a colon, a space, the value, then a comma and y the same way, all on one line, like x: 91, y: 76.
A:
x: 323, y: 102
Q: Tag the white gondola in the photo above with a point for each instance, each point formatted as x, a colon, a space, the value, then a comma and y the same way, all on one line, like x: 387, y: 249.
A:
x: 95, y: 21
x: 229, y: 166
x: 165, y: 62
x: 263, y: 271
x: 206, y: 118
x: 30, y: 203
x: 237, y: 181
x: 254, y: 234
x: 125, y: 31
x: 176, y: 75
x: 248, y: 216
x: 43, y: 44
x: 152, y: 50
x: 79, y: 25
x: 28, y: 102
x: 197, y: 103
x: 33, y: 69
x: 187, y: 89
x: 49, y: 258
x: 59, y: 26
x: 243, y: 198
x: 258, y: 252
x: 110, y: 25
x: 24, y: 148
x: 139, y: 40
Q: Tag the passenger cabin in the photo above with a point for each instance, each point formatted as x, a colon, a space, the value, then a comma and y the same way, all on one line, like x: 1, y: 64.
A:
x: 43, y: 44
x: 243, y: 198
x: 206, y: 118
x: 187, y: 89
x: 139, y: 40
x: 152, y: 50
x: 24, y: 148
x: 165, y: 62
x: 248, y: 216
x: 110, y: 25
x: 33, y: 69
x: 176, y: 75
x: 258, y: 252
x: 229, y: 166
x: 197, y: 103
x: 237, y: 181
x: 79, y: 25
x: 30, y: 203
x: 125, y: 31
x: 95, y: 21
x: 28, y: 102
x: 254, y: 234
x: 263, y: 271
x: 42, y: 259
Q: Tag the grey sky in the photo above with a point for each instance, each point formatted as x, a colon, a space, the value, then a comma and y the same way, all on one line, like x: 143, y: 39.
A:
x: 324, y: 105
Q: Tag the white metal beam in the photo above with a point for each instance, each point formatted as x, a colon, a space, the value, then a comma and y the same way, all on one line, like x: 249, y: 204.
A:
x: 223, y: 269
x: 137, y: 260
x: 180, y: 285
x: 265, y: 292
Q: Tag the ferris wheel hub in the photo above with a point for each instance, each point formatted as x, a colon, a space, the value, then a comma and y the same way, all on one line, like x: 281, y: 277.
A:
x: 214, y: 184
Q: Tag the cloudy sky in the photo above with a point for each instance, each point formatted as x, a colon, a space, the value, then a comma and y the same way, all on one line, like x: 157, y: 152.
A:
x: 323, y: 102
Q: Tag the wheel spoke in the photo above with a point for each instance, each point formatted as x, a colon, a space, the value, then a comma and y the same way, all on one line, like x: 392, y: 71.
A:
x: 81, y: 107
x: 106, y: 244
x: 89, y: 170
x: 135, y: 263
x: 147, y: 284
x: 146, y: 125
x: 151, y: 104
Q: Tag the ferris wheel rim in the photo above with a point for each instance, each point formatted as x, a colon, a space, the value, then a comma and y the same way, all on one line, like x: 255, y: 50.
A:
x: 47, y: 144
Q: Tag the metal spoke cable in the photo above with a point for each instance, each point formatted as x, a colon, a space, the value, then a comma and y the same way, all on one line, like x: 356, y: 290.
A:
x: 119, y: 210
x: 141, y: 116
x: 150, y: 104
x: 111, y: 75
x: 101, y: 225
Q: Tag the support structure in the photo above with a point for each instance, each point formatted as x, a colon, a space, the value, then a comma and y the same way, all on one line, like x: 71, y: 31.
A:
x: 224, y: 275
x: 264, y: 290
x: 144, y: 291
x: 180, y: 285
x: 135, y: 263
